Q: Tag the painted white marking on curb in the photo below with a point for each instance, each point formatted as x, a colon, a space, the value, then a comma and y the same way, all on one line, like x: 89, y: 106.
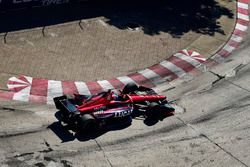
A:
x: 125, y: 80
x: 82, y: 88
x: 228, y: 48
x: 240, y: 27
x: 54, y: 90
x: 242, y: 5
x: 172, y: 67
x: 15, y: 79
x: 105, y: 84
x: 22, y: 95
x: 236, y: 38
x: 150, y: 75
x: 243, y: 16
x: 16, y: 86
x: 191, y: 61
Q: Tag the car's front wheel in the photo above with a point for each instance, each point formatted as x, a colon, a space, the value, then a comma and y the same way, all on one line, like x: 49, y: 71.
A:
x: 130, y: 88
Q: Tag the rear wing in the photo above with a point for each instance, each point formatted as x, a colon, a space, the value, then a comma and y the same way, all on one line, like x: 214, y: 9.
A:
x: 62, y: 103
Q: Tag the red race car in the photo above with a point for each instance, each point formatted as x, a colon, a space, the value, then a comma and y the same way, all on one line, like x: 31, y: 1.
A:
x: 88, y: 113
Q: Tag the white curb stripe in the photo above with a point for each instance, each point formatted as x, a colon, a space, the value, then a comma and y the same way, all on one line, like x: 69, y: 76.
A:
x: 236, y: 38
x: 16, y: 86
x: 228, y: 48
x: 105, y: 84
x: 150, y: 75
x: 242, y: 5
x: 172, y: 67
x: 82, y: 88
x: 54, y: 90
x: 243, y: 16
x: 22, y: 95
x: 125, y: 80
x: 14, y: 79
x: 240, y: 27
x: 190, y: 60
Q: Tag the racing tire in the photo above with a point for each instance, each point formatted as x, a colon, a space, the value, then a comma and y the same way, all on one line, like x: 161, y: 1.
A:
x: 60, y: 115
x: 154, y: 110
x: 86, y: 123
x: 130, y: 88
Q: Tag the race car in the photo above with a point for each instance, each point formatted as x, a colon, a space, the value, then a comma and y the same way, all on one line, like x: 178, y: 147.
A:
x: 91, y: 112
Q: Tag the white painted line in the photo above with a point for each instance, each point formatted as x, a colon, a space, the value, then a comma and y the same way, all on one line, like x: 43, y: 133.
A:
x: 15, y: 79
x: 150, y: 75
x: 23, y: 95
x: 242, y: 5
x: 243, y: 16
x: 105, y: 84
x: 240, y: 27
x: 172, y: 67
x: 54, y: 90
x: 16, y: 86
x: 228, y: 48
x: 191, y: 61
x: 236, y: 38
x: 82, y: 88
x: 125, y: 80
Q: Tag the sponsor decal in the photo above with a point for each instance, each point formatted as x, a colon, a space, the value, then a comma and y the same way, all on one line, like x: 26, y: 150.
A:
x: 122, y: 113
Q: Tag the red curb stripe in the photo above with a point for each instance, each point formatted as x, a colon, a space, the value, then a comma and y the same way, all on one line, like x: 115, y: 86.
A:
x: 243, y: 1
x: 233, y: 43
x: 181, y: 63
x: 6, y: 95
x: 17, y: 83
x: 17, y: 89
x: 239, y: 33
x: 242, y: 11
x: 23, y: 78
x: 37, y: 99
x: 39, y: 87
x: 116, y: 83
x: 163, y: 72
x: 242, y: 22
x: 141, y: 80
x: 69, y: 88
x: 224, y: 53
x: 94, y: 87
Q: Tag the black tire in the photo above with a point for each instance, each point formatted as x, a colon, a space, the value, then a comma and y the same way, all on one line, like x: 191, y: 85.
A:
x: 86, y: 123
x: 153, y: 110
x: 130, y: 88
x: 60, y: 115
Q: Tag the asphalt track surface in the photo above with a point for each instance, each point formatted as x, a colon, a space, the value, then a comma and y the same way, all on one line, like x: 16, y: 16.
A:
x: 215, y: 133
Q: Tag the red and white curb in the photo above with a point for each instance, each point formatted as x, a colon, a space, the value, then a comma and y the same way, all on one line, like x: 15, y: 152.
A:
x: 239, y: 32
x: 29, y: 89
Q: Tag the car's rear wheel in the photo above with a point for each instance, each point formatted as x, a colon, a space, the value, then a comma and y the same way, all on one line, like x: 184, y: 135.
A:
x: 154, y: 110
x: 86, y: 123
x: 130, y: 88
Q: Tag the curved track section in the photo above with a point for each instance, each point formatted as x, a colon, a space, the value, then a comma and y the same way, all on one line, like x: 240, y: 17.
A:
x: 29, y: 89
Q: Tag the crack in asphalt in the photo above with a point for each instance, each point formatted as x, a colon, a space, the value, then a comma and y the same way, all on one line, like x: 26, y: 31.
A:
x: 238, y: 86
x: 220, y: 77
x: 104, y: 154
x: 6, y: 135
x: 210, y: 140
